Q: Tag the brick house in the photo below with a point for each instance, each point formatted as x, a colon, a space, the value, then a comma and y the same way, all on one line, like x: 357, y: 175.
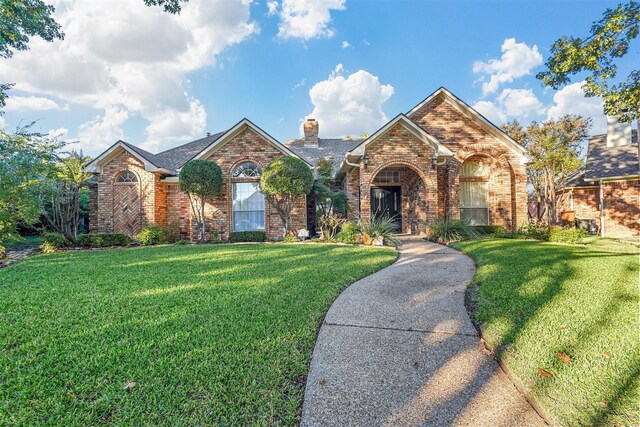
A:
x: 440, y: 157
x: 605, y: 194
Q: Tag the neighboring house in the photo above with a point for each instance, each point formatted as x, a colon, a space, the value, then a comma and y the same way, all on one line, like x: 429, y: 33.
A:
x: 440, y: 157
x: 606, y: 192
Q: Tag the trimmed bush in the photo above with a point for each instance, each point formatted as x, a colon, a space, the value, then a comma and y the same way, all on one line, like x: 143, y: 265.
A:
x: 489, y: 229
x: 450, y: 230
x: 567, y: 235
x: 349, y: 233
x: 535, y: 231
x: 247, y: 236
x: 54, y: 241
x: 102, y: 240
x: 151, y: 235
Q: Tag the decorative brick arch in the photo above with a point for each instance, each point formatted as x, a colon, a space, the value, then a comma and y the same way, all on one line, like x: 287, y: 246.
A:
x: 244, y: 160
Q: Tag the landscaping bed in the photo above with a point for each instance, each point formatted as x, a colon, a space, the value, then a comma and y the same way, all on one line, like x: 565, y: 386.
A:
x: 168, y: 335
x: 564, y: 319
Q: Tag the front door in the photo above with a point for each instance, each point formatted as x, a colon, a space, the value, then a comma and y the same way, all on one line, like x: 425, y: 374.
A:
x: 386, y: 203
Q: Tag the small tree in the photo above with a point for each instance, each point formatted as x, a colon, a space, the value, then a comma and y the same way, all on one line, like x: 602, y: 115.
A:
x: 200, y: 179
x: 283, y: 181
x: 61, y: 201
x: 330, y: 205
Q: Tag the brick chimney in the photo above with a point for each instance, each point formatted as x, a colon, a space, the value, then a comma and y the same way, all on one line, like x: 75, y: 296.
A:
x: 310, y: 127
x: 618, y: 134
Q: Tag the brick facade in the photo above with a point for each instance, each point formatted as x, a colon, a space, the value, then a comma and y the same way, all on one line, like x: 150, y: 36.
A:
x: 621, y: 213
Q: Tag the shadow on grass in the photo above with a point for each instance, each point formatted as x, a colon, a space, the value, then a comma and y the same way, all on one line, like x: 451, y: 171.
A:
x: 535, y: 300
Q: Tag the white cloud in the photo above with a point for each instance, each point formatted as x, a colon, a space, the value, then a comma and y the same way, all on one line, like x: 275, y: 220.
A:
x: 115, y: 59
x: 2, y: 123
x: 307, y: 19
x: 103, y: 131
x: 60, y: 133
x: 170, y: 126
x: 351, y: 105
x: 511, y: 103
x: 520, y: 103
x: 272, y: 7
x: 299, y: 84
x: 571, y: 100
x: 517, y: 60
x: 345, y: 44
x: 491, y: 111
x: 30, y: 103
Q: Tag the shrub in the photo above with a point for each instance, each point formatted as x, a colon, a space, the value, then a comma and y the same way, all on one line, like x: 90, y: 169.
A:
x: 378, y: 227
x: 101, y: 240
x: 535, y: 231
x: 182, y: 242
x: 489, y: 229
x: 567, y: 235
x: 151, y: 235
x: 445, y: 230
x: 350, y: 233
x: 54, y: 241
x: 171, y: 231
x: 290, y: 239
x: 247, y: 236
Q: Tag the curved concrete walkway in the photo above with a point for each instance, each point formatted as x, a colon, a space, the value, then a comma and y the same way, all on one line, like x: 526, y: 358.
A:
x: 397, y: 348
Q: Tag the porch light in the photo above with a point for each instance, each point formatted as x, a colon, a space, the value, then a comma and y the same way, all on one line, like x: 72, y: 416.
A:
x: 434, y: 162
x: 365, y: 160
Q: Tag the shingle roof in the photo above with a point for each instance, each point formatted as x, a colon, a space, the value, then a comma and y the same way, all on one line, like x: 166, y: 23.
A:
x: 609, y: 162
x: 174, y: 158
x: 576, y: 179
x: 335, y: 148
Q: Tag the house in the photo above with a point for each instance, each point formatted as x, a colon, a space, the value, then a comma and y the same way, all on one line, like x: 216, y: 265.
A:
x: 441, y: 157
x: 605, y: 194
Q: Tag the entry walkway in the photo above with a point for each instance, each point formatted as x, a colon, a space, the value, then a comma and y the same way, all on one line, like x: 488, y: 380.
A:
x: 397, y: 348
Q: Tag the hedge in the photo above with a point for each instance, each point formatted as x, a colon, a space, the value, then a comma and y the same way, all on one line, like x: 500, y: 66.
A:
x: 247, y: 236
x: 489, y: 229
x: 101, y: 240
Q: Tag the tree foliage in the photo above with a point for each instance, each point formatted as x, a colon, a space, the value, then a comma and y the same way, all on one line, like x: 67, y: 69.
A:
x: 61, y: 200
x: 26, y: 160
x: 282, y: 182
x: 200, y: 179
x: 330, y: 205
x: 597, y: 54
x: 553, y: 148
x: 169, y: 6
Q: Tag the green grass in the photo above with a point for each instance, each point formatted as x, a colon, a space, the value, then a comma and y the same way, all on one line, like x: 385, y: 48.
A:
x: 210, y: 334
x: 537, y: 299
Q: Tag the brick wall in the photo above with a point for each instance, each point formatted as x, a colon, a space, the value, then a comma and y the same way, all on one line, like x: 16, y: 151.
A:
x: 621, y: 208
x: 507, y: 179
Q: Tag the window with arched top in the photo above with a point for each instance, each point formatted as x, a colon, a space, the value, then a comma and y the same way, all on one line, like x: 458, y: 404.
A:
x: 474, y: 193
x: 247, y: 170
x: 126, y: 177
x: 247, y: 199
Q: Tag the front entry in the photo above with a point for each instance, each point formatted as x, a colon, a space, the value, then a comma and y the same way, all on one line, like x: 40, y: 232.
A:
x: 387, y: 203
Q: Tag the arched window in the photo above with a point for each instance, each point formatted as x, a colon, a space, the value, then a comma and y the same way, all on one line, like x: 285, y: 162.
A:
x: 247, y: 170
x: 474, y: 193
x: 126, y: 177
x: 248, y: 201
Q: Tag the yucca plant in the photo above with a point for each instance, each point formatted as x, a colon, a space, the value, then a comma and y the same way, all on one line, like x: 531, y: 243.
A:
x: 379, y: 227
x: 445, y: 230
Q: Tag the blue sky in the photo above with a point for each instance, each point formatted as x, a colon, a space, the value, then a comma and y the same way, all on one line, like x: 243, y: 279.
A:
x: 126, y: 71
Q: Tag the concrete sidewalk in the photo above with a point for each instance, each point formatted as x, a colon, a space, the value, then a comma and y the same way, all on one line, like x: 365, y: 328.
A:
x: 397, y: 348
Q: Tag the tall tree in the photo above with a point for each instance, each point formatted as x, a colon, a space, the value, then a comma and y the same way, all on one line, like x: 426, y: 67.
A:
x: 330, y: 205
x: 61, y: 200
x: 283, y: 181
x: 553, y: 148
x: 25, y: 160
x: 200, y: 179
x: 597, y: 54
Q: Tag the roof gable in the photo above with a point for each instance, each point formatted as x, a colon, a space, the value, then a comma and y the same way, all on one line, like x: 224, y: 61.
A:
x: 236, y: 130
x: 149, y: 160
x: 401, y: 119
x: 470, y: 113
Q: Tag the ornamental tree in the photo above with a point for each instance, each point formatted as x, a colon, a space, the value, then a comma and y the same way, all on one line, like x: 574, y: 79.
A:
x: 283, y: 181
x: 200, y: 179
x: 597, y: 55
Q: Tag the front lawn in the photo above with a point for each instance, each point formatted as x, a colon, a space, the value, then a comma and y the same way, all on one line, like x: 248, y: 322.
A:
x: 565, y: 320
x: 181, y: 335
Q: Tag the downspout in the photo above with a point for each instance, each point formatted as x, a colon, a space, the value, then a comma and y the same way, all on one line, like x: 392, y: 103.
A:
x: 601, y: 209
x: 355, y: 165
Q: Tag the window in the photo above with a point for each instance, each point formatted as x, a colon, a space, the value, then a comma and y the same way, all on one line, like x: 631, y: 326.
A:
x: 248, y: 207
x: 127, y: 177
x: 387, y: 177
x: 247, y: 170
x: 474, y: 190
